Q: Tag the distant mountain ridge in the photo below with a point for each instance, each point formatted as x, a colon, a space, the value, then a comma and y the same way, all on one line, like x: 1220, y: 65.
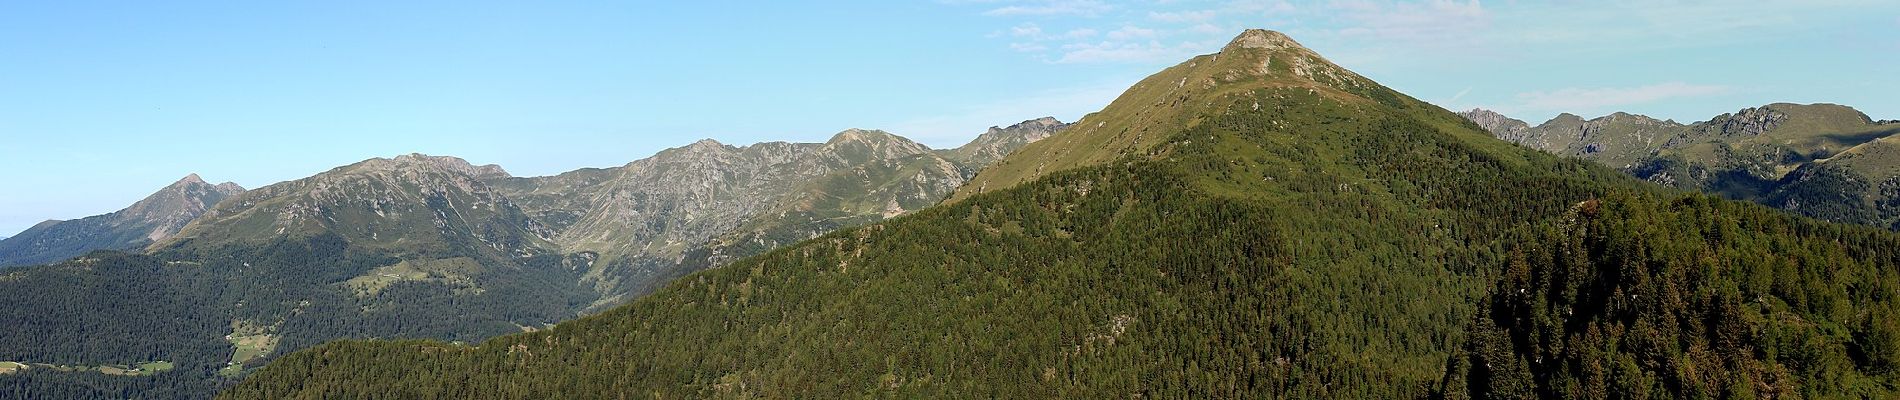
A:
x: 410, y: 204
x: 1822, y: 160
x: 427, y: 246
x: 998, y: 142
x: 690, y: 207
x: 154, y: 218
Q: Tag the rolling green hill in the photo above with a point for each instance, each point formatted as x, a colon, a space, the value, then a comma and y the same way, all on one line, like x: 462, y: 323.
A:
x: 1291, y: 230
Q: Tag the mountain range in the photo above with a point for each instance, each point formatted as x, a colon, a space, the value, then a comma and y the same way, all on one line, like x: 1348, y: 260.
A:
x: 152, y: 219
x: 425, y: 246
x: 1821, y: 160
x: 1255, y: 223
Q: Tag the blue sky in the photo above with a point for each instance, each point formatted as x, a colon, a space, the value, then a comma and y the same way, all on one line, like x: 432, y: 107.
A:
x: 104, y: 102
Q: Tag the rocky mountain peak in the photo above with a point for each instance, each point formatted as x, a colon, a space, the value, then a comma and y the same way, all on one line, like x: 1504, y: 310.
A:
x: 858, y: 135
x: 1264, y: 56
x: 1263, y: 39
x: 156, y: 217
x: 189, y: 179
x: 860, y: 144
x: 1750, y: 121
x: 415, y: 162
x: 171, y: 208
x: 699, y: 149
x: 992, y: 145
x: 1507, y: 128
x: 1044, y: 122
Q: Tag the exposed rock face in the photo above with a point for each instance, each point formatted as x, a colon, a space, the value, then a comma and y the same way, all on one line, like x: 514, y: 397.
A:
x: 999, y: 142
x: 699, y: 205
x: 1752, y: 121
x: 1503, y: 127
x: 154, y: 218
x: 1617, y: 139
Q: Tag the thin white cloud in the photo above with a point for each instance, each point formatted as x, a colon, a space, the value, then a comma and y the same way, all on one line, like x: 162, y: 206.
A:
x: 1182, y: 16
x: 1461, y: 94
x: 1026, y: 30
x: 1592, y: 99
x: 1130, y: 33
x: 1028, y: 47
x: 1260, y: 7
x: 1382, y: 32
x: 955, y: 127
x: 1051, y: 7
x: 1116, y: 51
x: 1072, y: 34
x: 1207, y: 29
x: 1434, y: 20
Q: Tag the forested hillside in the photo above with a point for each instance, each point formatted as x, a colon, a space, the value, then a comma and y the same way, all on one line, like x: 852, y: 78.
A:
x: 1309, y: 235
x: 1686, y: 297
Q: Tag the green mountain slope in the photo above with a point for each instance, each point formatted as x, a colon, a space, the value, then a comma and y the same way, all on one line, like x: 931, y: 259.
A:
x: 151, y: 219
x: 1291, y: 241
x: 1295, y: 240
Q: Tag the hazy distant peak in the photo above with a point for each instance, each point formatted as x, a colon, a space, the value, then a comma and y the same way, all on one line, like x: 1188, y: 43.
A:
x: 998, y: 142
x: 859, y: 135
x: 1038, y: 122
x: 156, y: 217
x: 419, y: 160
x: 189, y: 179
x: 1504, y: 127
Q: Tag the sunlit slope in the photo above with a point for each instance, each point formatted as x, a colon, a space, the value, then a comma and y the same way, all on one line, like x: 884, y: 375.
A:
x: 1320, y: 244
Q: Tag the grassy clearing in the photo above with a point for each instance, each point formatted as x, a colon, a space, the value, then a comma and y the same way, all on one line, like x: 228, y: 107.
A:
x: 142, y: 369
x: 156, y: 366
x: 453, y: 271
x: 252, y: 346
x: 251, y: 341
x: 231, y: 371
